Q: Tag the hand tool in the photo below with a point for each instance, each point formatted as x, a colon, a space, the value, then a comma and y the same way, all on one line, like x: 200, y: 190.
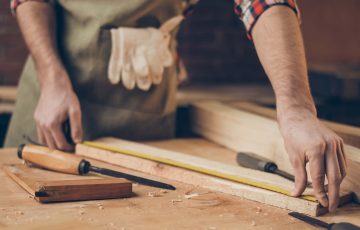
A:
x: 254, y: 161
x: 68, y: 163
x: 322, y: 224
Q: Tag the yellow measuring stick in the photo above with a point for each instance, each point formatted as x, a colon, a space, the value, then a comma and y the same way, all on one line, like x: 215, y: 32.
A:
x: 196, y: 169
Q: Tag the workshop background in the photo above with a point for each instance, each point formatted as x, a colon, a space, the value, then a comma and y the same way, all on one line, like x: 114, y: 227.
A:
x: 215, y: 49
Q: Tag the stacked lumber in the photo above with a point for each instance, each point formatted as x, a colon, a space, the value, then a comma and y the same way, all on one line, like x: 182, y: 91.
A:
x: 245, y: 131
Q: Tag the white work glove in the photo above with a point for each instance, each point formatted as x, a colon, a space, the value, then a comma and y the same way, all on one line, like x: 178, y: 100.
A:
x: 139, y: 56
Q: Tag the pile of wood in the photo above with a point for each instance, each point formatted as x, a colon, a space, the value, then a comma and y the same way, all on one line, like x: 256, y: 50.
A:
x: 240, y: 127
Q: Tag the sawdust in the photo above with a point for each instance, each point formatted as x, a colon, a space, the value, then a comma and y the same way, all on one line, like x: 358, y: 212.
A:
x: 20, y: 213
x: 100, y: 206
x: 159, y: 193
x: 253, y: 223
x: 258, y: 210
x: 173, y: 201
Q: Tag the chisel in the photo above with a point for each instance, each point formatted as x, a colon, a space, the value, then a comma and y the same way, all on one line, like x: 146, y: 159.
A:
x: 68, y: 163
x: 322, y: 224
x: 253, y: 161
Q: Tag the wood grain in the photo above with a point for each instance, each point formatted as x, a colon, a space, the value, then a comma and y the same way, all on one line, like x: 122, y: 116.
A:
x: 350, y: 134
x: 244, y: 131
x: 170, y: 210
x: 199, y: 179
x: 62, y: 187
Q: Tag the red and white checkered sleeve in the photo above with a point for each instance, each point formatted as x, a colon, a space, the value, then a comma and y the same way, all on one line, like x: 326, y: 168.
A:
x: 250, y: 10
x: 15, y: 3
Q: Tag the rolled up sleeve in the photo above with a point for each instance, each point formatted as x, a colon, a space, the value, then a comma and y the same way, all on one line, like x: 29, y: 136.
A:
x: 15, y: 3
x: 249, y: 11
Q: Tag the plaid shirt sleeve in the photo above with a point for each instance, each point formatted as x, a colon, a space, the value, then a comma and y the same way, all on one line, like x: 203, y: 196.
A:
x: 250, y: 10
x: 15, y: 3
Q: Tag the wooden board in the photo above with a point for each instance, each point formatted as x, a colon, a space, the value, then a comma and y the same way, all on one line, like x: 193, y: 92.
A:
x: 151, y: 208
x: 167, y: 168
x: 254, y: 92
x: 8, y: 93
x: 350, y: 134
x: 46, y: 186
x: 243, y: 131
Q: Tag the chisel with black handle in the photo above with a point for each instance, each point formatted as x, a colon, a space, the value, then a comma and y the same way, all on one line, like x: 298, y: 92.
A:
x: 254, y: 161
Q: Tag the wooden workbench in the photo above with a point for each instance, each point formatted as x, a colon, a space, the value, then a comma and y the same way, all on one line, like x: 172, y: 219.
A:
x: 149, y: 208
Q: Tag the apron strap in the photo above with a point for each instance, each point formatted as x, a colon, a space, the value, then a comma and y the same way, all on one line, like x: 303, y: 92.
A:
x: 173, y: 22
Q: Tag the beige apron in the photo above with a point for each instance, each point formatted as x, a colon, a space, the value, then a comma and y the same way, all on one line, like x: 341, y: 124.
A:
x: 85, y: 45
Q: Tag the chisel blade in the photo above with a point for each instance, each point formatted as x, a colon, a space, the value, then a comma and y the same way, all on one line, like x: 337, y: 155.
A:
x: 310, y: 220
x: 136, y: 179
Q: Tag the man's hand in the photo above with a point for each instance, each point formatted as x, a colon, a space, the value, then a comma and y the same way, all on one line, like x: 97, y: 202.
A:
x: 278, y: 41
x: 307, y: 140
x: 57, y: 103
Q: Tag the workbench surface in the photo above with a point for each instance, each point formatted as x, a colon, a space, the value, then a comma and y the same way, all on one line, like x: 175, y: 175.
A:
x: 149, y: 208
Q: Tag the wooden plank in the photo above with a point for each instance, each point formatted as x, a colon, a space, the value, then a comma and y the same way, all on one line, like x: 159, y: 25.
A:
x: 166, y: 170
x: 8, y: 93
x: 167, y: 210
x: 66, y: 187
x: 243, y: 131
x: 194, y: 93
x: 350, y: 134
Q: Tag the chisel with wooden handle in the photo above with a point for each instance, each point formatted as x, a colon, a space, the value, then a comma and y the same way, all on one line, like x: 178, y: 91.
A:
x: 68, y: 163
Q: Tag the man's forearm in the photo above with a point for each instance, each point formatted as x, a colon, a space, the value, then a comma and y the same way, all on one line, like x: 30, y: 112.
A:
x: 279, y: 45
x: 38, y: 26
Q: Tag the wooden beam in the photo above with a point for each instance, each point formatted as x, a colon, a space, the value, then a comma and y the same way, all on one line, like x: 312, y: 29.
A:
x: 8, y: 93
x: 110, y: 149
x: 350, y: 134
x: 244, y: 131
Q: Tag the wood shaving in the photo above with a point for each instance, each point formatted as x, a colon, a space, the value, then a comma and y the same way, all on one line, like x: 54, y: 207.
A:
x: 175, y: 200
x: 156, y: 193
x: 258, y: 210
x: 20, y: 213
x: 191, y: 195
x: 253, y: 223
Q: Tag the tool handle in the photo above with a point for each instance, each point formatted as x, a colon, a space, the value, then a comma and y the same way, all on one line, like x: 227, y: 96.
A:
x: 343, y: 226
x: 53, y: 159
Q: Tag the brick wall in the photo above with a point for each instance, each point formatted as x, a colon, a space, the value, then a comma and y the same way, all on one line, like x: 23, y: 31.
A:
x: 12, y: 48
x: 214, y: 45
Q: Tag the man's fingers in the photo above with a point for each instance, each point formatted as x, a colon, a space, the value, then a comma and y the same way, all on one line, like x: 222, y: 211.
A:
x: 333, y: 175
x: 49, y: 139
x: 60, y: 140
x: 300, y: 178
x: 342, y: 161
x: 76, y: 125
x: 40, y: 135
x: 317, y: 173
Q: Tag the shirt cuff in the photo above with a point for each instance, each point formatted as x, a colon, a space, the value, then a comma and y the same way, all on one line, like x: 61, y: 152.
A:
x: 249, y: 11
x: 15, y: 3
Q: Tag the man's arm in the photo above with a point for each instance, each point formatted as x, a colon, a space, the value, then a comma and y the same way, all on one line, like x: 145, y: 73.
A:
x: 278, y: 41
x: 57, y: 102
